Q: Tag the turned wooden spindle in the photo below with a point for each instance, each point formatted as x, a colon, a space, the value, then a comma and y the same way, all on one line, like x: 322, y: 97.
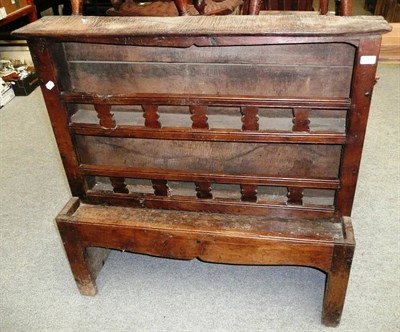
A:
x: 199, y: 117
x: 151, y: 116
x: 203, y: 190
x: 119, y: 185
x: 105, y: 115
x: 249, y: 118
x: 248, y: 193
x: 295, y: 196
x: 160, y: 187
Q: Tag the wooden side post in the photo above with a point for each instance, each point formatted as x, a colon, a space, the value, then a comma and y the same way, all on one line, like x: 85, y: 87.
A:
x: 338, y: 277
x: 85, y: 262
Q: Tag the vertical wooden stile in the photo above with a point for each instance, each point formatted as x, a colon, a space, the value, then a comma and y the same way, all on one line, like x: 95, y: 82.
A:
x: 357, y: 117
x: 49, y: 60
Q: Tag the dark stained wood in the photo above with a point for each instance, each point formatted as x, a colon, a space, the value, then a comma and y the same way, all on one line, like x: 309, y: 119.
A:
x: 249, y: 118
x: 250, y: 80
x: 248, y: 193
x: 295, y: 195
x: 185, y: 175
x: 48, y: 56
x: 363, y: 83
x: 214, y: 135
x: 160, y: 187
x: 105, y: 116
x: 260, y: 226
x: 309, y: 54
x: 187, y: 182
x: 151, y: 116
x: 301, y: 121
x: 196, y: 99
x: 221, y: 205
x: 338, y: 276
x: 119, y: 185
x: 216, y: 237
x: 199, y: 117
x: 231, y: 158
x: 203, y: 190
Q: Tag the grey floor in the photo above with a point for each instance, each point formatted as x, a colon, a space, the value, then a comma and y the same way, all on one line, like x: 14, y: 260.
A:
x: 140, y: 293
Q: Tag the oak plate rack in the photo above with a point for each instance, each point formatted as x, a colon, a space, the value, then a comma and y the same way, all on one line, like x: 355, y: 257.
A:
x: 232, y: 139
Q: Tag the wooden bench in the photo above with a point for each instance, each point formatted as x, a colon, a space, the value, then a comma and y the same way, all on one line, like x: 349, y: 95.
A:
x: 229, y: 139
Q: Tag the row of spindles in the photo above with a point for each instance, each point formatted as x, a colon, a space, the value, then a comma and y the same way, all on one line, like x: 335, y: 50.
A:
x: 250, y: 117
x: 204, y: 190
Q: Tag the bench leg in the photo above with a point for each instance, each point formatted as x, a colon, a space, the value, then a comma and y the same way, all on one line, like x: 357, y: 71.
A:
x: 85, y: 262
x: 336, y: 284
x: 78, y: 262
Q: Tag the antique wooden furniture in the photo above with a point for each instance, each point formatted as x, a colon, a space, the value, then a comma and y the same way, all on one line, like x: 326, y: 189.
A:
x: 24, y: 9
x: 229, y: 139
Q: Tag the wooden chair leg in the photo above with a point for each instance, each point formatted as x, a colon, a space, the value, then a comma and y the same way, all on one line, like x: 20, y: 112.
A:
x: 336, y: 284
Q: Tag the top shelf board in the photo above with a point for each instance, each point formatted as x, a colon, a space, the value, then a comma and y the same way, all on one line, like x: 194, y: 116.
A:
x: 92, y: 28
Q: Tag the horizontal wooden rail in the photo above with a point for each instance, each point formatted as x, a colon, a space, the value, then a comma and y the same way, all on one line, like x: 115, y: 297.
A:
x: 276, y: 210
x: 186, y: 176
x: 209, y: 135
x: 205, y: 100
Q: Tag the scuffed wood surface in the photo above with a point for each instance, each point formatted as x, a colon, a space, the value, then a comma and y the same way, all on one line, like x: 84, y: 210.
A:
x: 322, y: 54
x: 72, y: 27
x: 224, y: 224
x: 260, y: 159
